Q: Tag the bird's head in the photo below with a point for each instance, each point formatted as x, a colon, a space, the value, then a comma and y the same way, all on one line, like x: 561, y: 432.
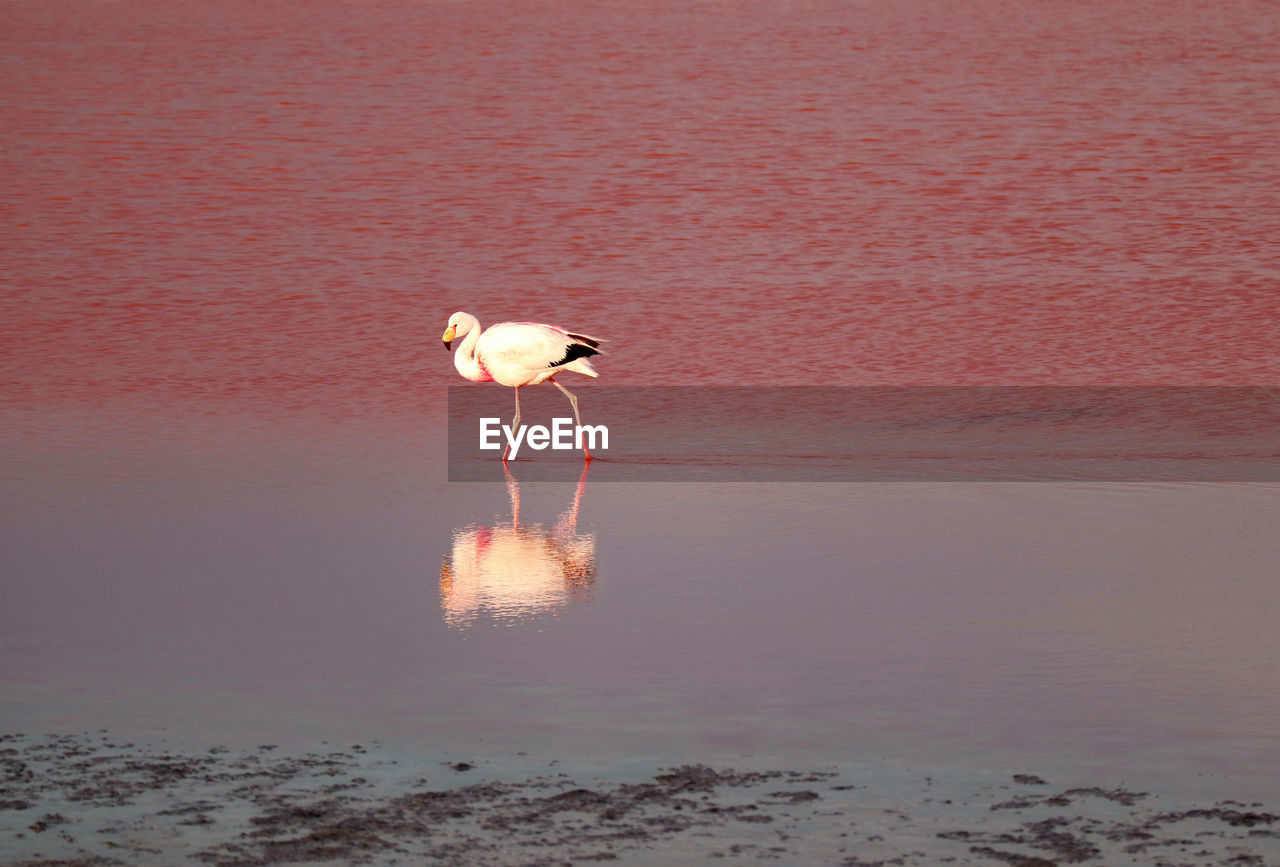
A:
x: 459, y: 324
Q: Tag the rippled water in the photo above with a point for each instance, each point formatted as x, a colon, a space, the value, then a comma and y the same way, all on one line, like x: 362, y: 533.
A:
x: 285, y: 201
x: 234, y: 232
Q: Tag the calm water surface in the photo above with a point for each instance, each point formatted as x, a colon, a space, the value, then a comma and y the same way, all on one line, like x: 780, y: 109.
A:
x: 234, y: 232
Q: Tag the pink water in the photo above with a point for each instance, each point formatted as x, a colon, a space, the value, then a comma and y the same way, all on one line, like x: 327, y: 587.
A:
x: 272, y: 202
x: 233, y: 233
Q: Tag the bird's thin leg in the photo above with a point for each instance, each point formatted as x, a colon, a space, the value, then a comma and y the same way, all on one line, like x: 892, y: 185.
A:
x: 515, y: 426
x: 586, y: 453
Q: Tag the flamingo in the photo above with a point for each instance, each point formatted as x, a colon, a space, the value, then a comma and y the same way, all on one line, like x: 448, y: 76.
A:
x: 516, y: 354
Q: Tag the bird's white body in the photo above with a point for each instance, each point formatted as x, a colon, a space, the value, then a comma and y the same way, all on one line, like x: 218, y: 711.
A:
x: 516, y: 354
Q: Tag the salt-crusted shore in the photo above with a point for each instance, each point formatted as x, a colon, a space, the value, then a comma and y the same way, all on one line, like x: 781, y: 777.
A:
x: 89, y: 800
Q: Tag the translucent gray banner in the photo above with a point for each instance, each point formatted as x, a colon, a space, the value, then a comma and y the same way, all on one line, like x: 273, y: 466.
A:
x: 848, y: 434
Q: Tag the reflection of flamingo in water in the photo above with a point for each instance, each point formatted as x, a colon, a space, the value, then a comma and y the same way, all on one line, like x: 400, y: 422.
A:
x: 514, y: 571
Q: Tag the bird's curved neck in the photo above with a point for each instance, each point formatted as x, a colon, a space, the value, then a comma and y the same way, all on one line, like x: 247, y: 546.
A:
x: 465, y: 358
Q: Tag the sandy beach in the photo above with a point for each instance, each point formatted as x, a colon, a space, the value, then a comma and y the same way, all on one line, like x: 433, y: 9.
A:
x: 87, y: 800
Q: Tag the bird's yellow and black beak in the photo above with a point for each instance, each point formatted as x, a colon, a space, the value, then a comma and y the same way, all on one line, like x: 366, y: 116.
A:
x: 448, y: 336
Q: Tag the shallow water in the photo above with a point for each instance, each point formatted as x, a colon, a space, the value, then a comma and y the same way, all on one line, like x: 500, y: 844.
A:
x: 235, y: 232
x: 249, y: 595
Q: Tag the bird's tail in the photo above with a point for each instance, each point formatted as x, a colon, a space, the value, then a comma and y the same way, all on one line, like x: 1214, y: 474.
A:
x: 583, y: 366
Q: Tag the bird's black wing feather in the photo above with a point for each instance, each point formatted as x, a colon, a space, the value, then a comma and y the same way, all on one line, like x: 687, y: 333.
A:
x: 582, y: 338
x: 575, y: 350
